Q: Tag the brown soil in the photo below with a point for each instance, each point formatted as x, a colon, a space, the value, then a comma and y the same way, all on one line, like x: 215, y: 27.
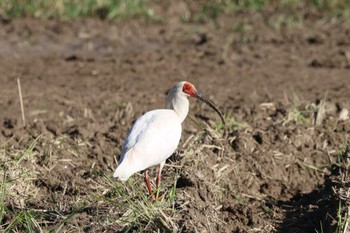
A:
x: 84, y: 83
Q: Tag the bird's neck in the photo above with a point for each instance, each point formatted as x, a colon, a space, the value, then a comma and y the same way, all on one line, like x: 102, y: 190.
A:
x: 179, y: 104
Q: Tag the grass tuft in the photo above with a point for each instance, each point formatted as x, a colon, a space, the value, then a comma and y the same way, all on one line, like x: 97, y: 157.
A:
x: 137, y: 209
x: 342, y: 166
x: 3, y: 197
x: 287, y: 12
x: 113, y: 204
x: 281, y: 13
x: 113, y: 9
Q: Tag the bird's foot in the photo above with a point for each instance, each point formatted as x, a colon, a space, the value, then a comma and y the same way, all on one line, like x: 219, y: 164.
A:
x: 156, y: 198
x: 160, y: 197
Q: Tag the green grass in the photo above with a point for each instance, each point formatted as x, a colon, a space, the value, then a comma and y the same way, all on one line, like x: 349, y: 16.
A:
x: 340, y: 180
x: 124, y: 206
x: 342, y: 165
x: 283, y: 12
x: 3, y: 198
x: 213, y: 8
x: 299, y: 116
x: 297, y: 113
x: 140, y: 211
x: 110, y: 9
x: 24, y: 220
x: 280, y: 12
x: 232, y: 123
x: 15, y: 181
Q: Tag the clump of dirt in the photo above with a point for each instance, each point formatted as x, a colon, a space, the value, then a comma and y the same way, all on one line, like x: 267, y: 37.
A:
x: 273, y: 175
x: 271, y: 169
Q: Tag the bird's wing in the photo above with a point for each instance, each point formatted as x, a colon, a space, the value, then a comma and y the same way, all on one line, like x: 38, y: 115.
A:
x: 153, y: 137
x: 139, y: 125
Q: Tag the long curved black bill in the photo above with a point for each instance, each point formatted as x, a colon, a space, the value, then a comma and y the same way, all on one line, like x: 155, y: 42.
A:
x: 201, y: 97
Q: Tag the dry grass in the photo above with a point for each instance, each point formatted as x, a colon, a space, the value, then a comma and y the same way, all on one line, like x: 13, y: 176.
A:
x: 343, y: 189
x: 33, y: 169
x: 124, y: 206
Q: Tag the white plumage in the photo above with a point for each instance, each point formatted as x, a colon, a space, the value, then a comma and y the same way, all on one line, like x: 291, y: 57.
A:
x: 155, y: 136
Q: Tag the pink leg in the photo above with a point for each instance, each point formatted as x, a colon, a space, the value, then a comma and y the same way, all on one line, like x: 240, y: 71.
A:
x: 159, y: 174
x: 158, y: 179
x: 148, y: 183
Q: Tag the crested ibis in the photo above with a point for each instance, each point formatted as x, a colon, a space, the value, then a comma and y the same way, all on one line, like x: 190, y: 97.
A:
x: 155, y: 136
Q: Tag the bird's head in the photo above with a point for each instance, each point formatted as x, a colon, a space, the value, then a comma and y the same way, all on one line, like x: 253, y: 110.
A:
x: 189, y: 89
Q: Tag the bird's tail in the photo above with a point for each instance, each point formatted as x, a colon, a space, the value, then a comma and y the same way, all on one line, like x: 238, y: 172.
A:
x: 122, y: 172
x: 128, y: 166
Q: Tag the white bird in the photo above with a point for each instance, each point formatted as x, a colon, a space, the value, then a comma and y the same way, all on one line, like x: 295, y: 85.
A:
x: 155, y: 136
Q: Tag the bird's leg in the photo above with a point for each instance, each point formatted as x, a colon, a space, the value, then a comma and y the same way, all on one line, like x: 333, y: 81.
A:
x: 158, y: 180
x: 148, y: 183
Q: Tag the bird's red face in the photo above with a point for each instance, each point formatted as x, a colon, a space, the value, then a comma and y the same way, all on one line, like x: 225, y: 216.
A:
x: 189, y: 89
